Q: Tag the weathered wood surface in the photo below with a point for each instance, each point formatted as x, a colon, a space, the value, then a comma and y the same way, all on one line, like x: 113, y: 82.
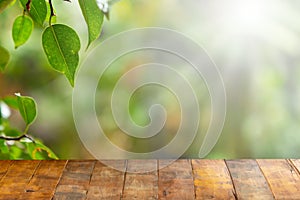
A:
x: 212, y: 180
x: 183, y: 179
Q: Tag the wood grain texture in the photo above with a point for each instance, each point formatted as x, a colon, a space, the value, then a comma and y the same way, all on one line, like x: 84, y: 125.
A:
x: 75, y: 180
x: 16, y: 178
x: 182, y: 179
x: 282, y: 177
x: 176, y: 180
x: 296, y: 163
x: 141, y: 185
x: 212, y: 180
x: 248, y: 180
x: 107, y: 183
x: 45, y: 179
x: 4, y: 165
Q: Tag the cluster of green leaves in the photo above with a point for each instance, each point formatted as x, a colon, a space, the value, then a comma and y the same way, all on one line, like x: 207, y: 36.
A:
x: 15, y: 144
x: 60, y: 42
x: 61, y: 45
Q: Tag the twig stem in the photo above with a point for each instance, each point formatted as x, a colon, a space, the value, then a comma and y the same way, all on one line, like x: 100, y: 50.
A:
x: 17, y: 138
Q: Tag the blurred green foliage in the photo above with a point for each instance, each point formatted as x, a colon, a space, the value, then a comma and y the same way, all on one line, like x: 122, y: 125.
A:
x: 15, y: 144
x: 260, y: 67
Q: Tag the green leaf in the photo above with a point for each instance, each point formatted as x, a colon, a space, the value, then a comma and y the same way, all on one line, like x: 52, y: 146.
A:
x: 21, y: 30
x: 61, y: 45
x: 1, y: 115
x: 3, y: 147
x: 38, y: 151
x: 4, y: 58
x: 93, y: 18
x: 5, y: 3
x: 27, y: 108
x: 38, y: 10
x: 15, y: 152
x: 11, y: 101
x: 12, y: 132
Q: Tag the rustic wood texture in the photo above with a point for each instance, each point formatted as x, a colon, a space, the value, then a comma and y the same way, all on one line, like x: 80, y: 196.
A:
x: 212, y: 180
x: 47, y: 174
x: 251, y: 184
x: 282, y: 177
x: 182, y: 179
x: 107, y: 183
x: 75, y: 180
x: 13, y: 183
x: 141, y: 185
x: 5, y: 164
x: 296, y: 163
x: 176, y: 180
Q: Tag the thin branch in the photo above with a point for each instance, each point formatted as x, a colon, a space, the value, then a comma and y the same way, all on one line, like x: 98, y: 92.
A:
x: 17, y: 138
x: 51, y: 11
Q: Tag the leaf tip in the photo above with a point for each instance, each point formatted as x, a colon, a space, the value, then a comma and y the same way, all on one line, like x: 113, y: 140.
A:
x: 72, y: 83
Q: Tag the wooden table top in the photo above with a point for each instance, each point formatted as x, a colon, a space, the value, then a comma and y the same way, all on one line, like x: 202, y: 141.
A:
x: 183, y: 179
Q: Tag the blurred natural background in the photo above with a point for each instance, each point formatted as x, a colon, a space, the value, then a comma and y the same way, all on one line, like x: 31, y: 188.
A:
x: 254, y: 43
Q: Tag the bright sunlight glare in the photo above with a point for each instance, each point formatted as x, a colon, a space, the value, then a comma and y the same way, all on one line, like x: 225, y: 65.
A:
x: 247, y: 16
x: 253, y: 27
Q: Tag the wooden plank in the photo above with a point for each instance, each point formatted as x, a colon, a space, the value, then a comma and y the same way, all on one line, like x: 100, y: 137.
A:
x: 107, y: 183
x: 212, y: 180
x: 27, y: 196
x: 94, y: 180
x: 141, y: 181
x: 296, y: 163
x: 45, y: 180
x: 18, y: 175
x: 248, y: 180
x: 282, y: 177
x: 176, y: 180
x: 4, y: 165
x: 74, y: 182
x: 142, y: 166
